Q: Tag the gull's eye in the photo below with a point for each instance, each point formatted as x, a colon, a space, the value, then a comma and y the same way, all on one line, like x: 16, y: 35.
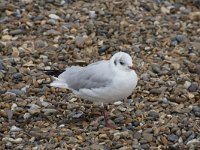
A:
x: 122, y: 63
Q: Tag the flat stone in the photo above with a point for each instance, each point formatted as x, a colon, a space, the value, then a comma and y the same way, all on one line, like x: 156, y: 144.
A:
x: 79, y: 41
x: 172, y: 138
x: 49, y: 111
x: 147, y: 136
x: 153, y: 114
x: 54, y: 16
x: 193, y: 87
x: 40, y: 44
x: 16, y: 32
x: 137, y: 135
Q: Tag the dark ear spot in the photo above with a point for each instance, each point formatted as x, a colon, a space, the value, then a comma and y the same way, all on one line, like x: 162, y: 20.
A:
x: 115, y: 62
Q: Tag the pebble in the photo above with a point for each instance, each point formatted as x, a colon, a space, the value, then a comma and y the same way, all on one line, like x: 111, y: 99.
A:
x: 16, y: 141
x: 119, y: 119
x: 26, y: 115
x: 156, y: 68
x: 173, y: 138
x: 195, y: 16
x: 136, y: 123
x: 48, y: 111
x: 16, y: 32
x: 92, y: 14
x: 2, y: 67
x: 198, y: 69
x: 15, y: 129
x: 79, y: 41
x: 193, y: 87
x: 196, y: 110
x: 103, y: 49
x: 147, y: 136
x: 40, y: 44
x: 158, y: 90
x: 153, y: 114
x: 54, y: 16
x: 137, y: 135
x: 187, y: 84
x: 16, y: 92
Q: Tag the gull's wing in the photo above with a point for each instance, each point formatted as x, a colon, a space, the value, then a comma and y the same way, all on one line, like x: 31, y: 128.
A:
x: 95, y: 75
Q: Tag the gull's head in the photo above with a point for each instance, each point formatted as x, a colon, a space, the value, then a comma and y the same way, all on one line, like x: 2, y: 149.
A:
x: 122, y: 61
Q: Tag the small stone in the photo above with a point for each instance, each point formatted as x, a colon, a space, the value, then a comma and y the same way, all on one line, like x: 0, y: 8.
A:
x: 96, y: 147
x: 15, y: 129
x: 136, y: 49
x: 137, y: 135
x: 172, y: 138
x: 187, y: 84
x: 194, y: 16
x: 121, y: 108
x: 16, y: 141
x: 49, y: 111
x: 103, y: 48
x: 153, y: 115
x: 40, y: 44
x: 2, y: 67
x: 136, y: 123
x: 158, y: 90
x: 88, y: 41
x: 92, y: 14
x: 12, y: 70
x: 193, y: 87
x: 76, y: 114
x: 147, y: 136
x: 175, y: 66
x: 17, y: 92
x: 27, y: 1
x: 123, y: 148
x: 26, y: 115
x: 14, y: 106
x: 145, y: 146
x: 103, y: 136
x: 79, y: 41
x: 17, y: 76
x: 156, y: 68
x: 54, y: 16
x: 117, y: 103
x: 6, y: 37
x: 16, y: 32
x: 180, y: 38
x: 45, y: 104
x: 196, y: 110
x: 119, y: 119
x: 198, y: 69
x: 165, y: 10
x: 51, y: 21
x: 52, y: 32
x: 164, y: 140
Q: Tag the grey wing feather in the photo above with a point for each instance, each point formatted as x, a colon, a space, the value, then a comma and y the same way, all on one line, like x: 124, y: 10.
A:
x: 95, y: 75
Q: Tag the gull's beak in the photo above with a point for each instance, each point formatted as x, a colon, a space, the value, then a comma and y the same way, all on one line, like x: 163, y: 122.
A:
x: 133, y: 67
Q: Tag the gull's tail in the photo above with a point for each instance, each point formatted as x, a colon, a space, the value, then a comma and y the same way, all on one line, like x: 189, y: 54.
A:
x: 59, y: 83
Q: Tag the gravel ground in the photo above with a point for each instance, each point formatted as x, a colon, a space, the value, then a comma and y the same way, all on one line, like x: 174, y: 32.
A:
x: 163, y: 38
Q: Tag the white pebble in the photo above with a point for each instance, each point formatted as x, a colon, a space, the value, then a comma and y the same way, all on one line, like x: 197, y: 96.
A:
x: 54, y: 16
x: 13, y: 107
x: 92, y: 14
x: 118, y: 103
x: 17, y: 141
x: 15, y: 129
x: 26, y: 115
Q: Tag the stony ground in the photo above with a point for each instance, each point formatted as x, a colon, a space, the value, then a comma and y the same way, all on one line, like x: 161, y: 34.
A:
x: 163, y: 38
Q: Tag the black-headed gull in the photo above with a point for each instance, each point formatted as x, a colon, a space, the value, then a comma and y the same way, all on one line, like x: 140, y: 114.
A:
x: 104, y: 81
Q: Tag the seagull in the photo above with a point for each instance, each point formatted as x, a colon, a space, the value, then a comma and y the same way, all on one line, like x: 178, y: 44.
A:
x: 104, y: 81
